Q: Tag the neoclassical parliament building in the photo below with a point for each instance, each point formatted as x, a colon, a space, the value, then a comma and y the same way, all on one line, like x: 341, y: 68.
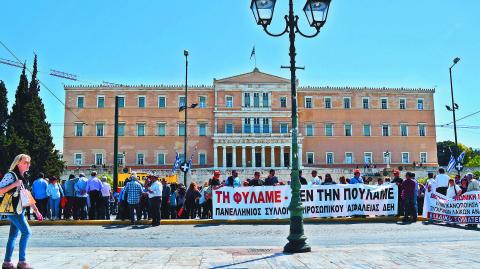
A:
x: 244, y: 122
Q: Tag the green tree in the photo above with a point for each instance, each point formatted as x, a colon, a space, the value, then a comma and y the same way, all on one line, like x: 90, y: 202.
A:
x: 474, y: 162
x: 443, y: 152
x: 3, y: 128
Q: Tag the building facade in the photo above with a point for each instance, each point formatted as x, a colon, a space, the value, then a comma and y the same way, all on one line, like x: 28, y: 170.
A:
x: 244, y: 122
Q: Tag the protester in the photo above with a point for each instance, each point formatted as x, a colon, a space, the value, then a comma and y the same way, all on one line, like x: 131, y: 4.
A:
x: 190, y: 199
x: 9, y: 183
x: 172, y: 201
x: 342, y: 180
x: 215, y: 180
x: 94, y: 190
x: 303, y: 180
x: 464, y: 185
x: 387, y: 180
x: 473, y: 185
x: 271, y: 180
x: 409, y: 190
x: 54, y: 193
x: 80, y: 209
x: 328, y: 180
x: 379, y: 182
x: 155, y: 191
x: 39, y: 192
x: 133, y: 190
x: 316, y: 179
x: 164, y: 208
x: 234, y: 180
x: 356, y: 179
x: 106, y: 194
x: 256, y: 180
x: 453, y: 189
x: 441, y: 182
x: 69, y: 190
x: 181, y: 192
x: 202, y: 200
x: 398, y: 181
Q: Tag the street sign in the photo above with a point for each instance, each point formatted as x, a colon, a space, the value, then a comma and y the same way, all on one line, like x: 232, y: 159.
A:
x: 184, y: 167
x: 459, y: 166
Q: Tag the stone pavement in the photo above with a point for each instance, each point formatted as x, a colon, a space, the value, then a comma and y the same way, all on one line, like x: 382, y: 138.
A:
x: 460, y: 254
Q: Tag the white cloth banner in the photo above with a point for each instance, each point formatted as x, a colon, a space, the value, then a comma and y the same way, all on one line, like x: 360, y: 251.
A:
x: 463, y: 209
x: 271, y: 202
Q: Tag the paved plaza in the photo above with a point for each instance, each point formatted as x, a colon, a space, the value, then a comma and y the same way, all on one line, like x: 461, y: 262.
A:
x: 361, y: 245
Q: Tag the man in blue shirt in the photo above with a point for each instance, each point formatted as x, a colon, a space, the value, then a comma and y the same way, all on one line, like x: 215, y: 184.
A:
x: 271, y: 180
x: 39, y: 192
x: 356, y: 179
x: 69, y: 190
x: 133, y: 189
x: 80, y: 209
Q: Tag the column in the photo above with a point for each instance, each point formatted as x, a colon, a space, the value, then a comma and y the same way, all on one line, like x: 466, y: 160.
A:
x: 215, y: 156
x: 263, y: 156
x: 291, y: 156
x: 234, y: 157
x: 244, y: 157
x: 253, y: 156
x: 282, y: 154
x: 224, y: 156
x: 300, y: 155
x: 272, y: 156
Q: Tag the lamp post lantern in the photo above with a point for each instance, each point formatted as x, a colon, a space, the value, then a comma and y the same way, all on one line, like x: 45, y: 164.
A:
x: 453, y: 108
x: 316, y: 12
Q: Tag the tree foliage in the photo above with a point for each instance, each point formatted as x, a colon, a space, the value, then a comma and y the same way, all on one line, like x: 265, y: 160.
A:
x: 3, y: 128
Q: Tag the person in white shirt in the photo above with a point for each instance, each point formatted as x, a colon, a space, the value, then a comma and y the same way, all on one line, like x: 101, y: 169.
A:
x: 155, y: 199
x: 106, y: 194
x: 441, y: 182
x: 453, y: 189
x: 315, y: 178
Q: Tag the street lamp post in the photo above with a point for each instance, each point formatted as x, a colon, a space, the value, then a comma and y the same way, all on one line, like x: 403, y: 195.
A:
x: 316, y: 12
x: 453, y: 108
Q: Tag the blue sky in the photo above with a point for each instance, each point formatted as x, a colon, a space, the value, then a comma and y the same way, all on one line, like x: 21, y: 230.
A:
x: 372, y: 43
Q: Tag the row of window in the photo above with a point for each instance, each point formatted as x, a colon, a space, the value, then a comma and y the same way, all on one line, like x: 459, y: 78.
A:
x: 140, y: 129
x: 141, y: 101
x: 78, y: 159
x: 367, y: 158
x: 366, y: 129
x: 347, y: 103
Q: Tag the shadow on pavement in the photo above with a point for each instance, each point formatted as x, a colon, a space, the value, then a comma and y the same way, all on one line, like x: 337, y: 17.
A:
x: 236, y: 264
x: 116, y: 226
x: 455, y: 226
x: 206, y: 225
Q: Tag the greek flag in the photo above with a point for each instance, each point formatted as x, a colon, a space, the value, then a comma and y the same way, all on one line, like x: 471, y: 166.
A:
x: 460, y: 157
x: 191, y: 157
x: 253, y: 53
x: 451, y: 163
x: 177, y: 162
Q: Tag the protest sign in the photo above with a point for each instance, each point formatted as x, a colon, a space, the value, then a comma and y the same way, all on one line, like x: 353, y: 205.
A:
x: 463, y: 209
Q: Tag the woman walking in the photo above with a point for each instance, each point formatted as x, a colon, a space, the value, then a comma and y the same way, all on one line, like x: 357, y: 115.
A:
x: 54, y: 193
x: 9, y: 183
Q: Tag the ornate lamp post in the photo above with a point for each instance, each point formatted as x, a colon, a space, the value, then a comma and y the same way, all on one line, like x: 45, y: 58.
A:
x: 316, y: 12
x: 453, y: 108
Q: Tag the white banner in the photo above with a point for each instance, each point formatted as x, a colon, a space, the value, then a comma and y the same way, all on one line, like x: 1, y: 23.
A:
x: 271, y: 202
x: 464, y: 209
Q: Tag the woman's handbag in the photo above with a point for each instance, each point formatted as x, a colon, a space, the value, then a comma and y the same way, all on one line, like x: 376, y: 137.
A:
x: 10, y: 204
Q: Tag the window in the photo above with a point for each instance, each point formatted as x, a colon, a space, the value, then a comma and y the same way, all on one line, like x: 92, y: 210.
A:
x: 202, y: 129
x: 256, y: 125
x: 283, y: 102
x: 420, y: 103
x: 348, y: 157
x: 80, y: 101
x: 403, y: 130
x: 308, y: 102
x: 328, y: 129
x: 348, y: 130
x: 384, y: 103
x: 140, y: 129
x: 310, y: 158
x: 229, y: 128
x: 283, y: 128
x: 347, y: 102
x: 100, y: 101
x: 329, y: 158
x: 423, y: 157
x: 367, y: 130
x: 309, y: 129
x: 162, y: 102
x: 141, y: 101
x: 121, y: 101
x: 100, y: 129
x: 78, y: 159
x: 367, y: 157
x: 120, y: 159
x: 140, y: 158
x: 266, y: 125
x: 246, y: 99
x: 385, y: 130
x: 121, y: 129
x: 79, y: 129
x: 405, y: 157
x: 366, y: 103
x: 202, y: 101
x: 256, y: 99
x: 202, y: 158
x: 229, y: 101
x: 161, y: 129
x: 403, y: 103
x: 386, y: 157
x: 247, y: 126
x: 161, y: 159
x: 328, y: 102
x: 265, y: 99
x: 99, y: 159
x: 422, y: 129
x: 181, y: 129
x: 181, y: 101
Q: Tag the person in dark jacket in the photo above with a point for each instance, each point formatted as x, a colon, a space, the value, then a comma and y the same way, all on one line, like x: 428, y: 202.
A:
x: 256, y: 180
x: 409, y: 194
x: 271, y: 180
x: 398, y: 181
